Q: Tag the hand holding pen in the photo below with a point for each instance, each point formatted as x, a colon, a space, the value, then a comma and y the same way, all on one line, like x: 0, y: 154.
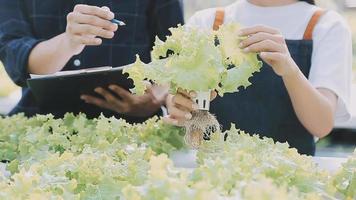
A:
x: 86, y: 25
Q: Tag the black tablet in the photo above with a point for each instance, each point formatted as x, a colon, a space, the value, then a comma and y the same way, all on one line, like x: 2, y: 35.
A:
x: 64, y: 89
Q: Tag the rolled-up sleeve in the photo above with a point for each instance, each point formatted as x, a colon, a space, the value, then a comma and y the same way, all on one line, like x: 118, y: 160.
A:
x: 16, y: 40
x: 332, y: 61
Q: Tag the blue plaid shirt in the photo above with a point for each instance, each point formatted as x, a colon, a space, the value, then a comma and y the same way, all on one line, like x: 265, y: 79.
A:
x: 23, y: 24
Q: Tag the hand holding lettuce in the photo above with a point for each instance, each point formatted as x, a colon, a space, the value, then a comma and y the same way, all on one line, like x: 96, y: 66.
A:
x: 193, y: 59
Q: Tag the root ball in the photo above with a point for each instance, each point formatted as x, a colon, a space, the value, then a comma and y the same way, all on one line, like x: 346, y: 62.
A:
x: 202, y: 125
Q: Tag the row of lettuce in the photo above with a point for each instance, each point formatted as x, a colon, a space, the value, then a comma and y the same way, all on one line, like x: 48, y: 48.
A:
x: 107, y: 158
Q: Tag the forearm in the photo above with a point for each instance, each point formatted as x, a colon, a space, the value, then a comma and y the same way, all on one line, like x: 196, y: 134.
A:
x: 50, y: 56
x: 315, y: 108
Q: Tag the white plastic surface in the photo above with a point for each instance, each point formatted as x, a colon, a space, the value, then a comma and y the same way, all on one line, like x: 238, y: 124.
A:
x: 187, y: 159
x: 203, y: 100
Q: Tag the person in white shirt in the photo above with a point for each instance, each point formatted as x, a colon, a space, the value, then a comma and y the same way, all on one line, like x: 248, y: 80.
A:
x: 304, y: 85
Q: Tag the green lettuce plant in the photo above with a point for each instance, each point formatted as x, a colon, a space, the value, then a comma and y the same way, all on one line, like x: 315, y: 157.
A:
x: 200, y: 60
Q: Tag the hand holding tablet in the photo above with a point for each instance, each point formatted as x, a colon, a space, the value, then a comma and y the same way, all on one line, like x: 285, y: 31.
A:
x: 64, y: 89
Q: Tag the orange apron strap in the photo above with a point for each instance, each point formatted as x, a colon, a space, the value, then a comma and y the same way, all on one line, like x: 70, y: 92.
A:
x: 308, y: 34
x: 219, y: 18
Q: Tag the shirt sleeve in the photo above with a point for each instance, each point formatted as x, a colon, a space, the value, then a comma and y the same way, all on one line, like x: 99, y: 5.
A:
x: 332, y: 61
x: 16, y: 40
x: 165, y: 14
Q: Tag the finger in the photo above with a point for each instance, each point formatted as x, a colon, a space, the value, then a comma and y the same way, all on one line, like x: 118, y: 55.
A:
x: 258, y: 37
x: 271, y: 57
x: 124, y: 94
x: 179, y: 115
x: 95, y: 101
x: 213, y: 95
x: 159, y: 93
x: 105, y: 8
x: 193, y: 94
x: 168, y: 120
x: 148, y: 86
x: 183, y: 92
x: 92, y: 20
x: 182, y: 108
x: 256, y: 29
x: 86, y: 29
x: 185, y: 102
x: 94, y: 10
x: 159, y: 88
x: 109, y: 97
x: 85, y: 40
x: 264, y: 46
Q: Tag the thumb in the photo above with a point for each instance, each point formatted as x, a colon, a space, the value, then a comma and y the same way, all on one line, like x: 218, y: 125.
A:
x: 271, y: 57
x: 148, y: 85
x: 213, y: 95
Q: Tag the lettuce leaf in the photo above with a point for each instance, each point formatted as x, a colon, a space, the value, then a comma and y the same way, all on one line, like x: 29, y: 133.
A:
x: 191, y: 59
x: 107, y: 158
x: 345, y: 180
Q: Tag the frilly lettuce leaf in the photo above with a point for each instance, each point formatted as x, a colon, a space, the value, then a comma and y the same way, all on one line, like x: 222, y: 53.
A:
x: 229, y: 44
x: 190, y: 59
x: 242, y: 65
x: 193, y: 62
x: 137, y: 74
x: 107, y: 158
x: 238, y: 76
x: 345, y: 180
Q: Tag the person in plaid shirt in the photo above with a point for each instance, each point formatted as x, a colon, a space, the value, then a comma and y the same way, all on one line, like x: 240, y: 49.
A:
x: 43, y: 37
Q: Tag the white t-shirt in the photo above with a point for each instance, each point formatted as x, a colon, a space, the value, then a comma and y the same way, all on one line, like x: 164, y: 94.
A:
x: 332, y: 54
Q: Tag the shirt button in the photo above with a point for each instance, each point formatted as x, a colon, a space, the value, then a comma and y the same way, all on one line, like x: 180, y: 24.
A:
x: 77, y: 62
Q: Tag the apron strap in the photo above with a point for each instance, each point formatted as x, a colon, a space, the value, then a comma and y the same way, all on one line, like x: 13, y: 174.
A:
x: 219, y: 18
x: 308, y: 34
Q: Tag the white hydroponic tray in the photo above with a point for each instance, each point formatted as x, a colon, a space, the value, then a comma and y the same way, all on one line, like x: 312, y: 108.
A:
x: 187, y: 159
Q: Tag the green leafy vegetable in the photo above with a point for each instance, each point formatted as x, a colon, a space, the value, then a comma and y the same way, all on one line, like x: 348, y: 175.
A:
x: 22, y: 138
x: 345, y: 179
x: 190, y: 59
x: 107, y: 158
x: 195, y: 59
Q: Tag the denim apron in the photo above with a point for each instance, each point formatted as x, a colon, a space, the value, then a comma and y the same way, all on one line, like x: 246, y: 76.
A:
x: 265, y: 107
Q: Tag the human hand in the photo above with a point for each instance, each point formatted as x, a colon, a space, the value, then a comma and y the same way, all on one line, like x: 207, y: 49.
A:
x: 124, y: 102
x: 272, y: 48
x: 86, y: 23
x: 181, y: 105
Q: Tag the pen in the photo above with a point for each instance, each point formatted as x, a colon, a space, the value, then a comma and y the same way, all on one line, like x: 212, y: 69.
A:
x: 118, y: 22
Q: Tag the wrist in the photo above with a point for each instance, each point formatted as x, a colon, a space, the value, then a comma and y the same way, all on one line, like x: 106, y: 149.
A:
x: 70, y: 47
x: 292, y: 76
x: 292, y: 72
